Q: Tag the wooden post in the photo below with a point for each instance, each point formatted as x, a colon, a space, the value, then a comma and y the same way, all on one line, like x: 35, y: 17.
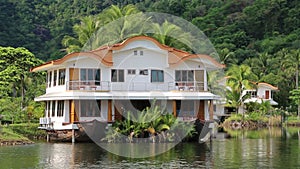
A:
x: 200, y: 114
x: 174, y: 108
x: 109, y: 111
x: 72, y: 111
x: 211, y: 110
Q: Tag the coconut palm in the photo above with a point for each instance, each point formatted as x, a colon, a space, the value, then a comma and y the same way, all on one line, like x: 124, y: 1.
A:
x: 172, y: 35
x: 238, y: 79
x: 291, y: 65
x: 120, y: 23
x: 225, y: 56
x: 83, y: 33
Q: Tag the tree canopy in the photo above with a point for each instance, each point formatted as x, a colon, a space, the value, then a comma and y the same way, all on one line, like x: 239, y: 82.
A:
x: 262, y: 34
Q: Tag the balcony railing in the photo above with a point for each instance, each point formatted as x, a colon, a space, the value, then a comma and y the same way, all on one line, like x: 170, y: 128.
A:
x: 135, y: 86
x: 45, y: 120
x: 88, y: 85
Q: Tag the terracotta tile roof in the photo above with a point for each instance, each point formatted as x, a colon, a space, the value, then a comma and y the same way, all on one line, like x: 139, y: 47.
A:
x: 104, y: 54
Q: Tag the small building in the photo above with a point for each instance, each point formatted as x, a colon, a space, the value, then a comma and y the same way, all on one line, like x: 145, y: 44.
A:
x: 262, y: 93
x: 103, y: 83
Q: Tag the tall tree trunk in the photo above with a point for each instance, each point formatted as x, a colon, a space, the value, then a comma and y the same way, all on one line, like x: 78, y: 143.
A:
x: 297, y: 79
x: 22, y: 91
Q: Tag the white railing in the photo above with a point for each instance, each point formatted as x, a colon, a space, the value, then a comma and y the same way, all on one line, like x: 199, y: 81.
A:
x: 45, y: 120
x: 88, y: 85
x: 188, y: 86
x: 135, y: 86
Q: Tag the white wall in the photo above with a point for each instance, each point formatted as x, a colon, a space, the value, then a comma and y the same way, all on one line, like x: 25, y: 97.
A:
x: 261, y: 91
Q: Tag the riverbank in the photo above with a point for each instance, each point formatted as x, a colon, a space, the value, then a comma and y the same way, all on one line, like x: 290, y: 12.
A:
x: 256, y: 122
x: 20, y: 134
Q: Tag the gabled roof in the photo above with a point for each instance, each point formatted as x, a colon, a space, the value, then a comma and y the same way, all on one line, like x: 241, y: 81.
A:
x: 104, y: 54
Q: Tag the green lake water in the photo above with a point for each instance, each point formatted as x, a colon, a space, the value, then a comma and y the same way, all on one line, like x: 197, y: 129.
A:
x: 267, y: 148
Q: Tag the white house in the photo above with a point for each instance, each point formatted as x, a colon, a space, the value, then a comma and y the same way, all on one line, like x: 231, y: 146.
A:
x: 263, y: 93
x: 103, y: 83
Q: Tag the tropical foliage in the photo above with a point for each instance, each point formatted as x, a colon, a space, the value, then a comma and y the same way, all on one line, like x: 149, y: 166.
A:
x: 238, y: 80
x: 262, y: 34
x: 150, y: 125
x: 18, y: 86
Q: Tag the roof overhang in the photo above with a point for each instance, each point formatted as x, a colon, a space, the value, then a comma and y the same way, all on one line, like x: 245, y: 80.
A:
x: 118, y: 95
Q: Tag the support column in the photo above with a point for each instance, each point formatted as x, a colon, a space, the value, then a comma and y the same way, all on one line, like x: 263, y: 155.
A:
x: 109, y: 111
x: 72, y: 111
x: 73, y: 136
x: 201, y: 113
x: 174, y: 108
x: 211, y: 110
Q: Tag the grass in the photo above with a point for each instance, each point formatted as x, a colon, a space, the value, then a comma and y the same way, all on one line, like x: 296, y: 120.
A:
x: 7, y: 134
x: 21, y: 132
x: 28, y: 130
x: 293, y: 120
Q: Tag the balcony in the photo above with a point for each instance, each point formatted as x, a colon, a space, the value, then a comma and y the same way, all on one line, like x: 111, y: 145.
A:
x: 136, y: 86
x: 88, y: 85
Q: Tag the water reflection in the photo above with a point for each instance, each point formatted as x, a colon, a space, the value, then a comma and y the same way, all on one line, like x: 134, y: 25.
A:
x: 268, y: 148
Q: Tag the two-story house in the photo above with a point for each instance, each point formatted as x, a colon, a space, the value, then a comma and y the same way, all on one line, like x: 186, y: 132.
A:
x: 103, y: 83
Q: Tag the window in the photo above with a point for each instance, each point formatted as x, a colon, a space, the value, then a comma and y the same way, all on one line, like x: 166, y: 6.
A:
x: 48, y: 110
x: 55, y: 78
x: 50, y: 78
x: 90, y: 76
x: 61, y: 76
x: 187, y: 109
x: 117, y: 75
x: 184, y: 75
x: 144, y: 72
x: 90, y: 108
x: 157, y: 76
x: 131, y: 71
x: 135, y: 52
x: 251, y: 94
x: 141, y: 53
x: 60, y: 108
x: 53, y: 108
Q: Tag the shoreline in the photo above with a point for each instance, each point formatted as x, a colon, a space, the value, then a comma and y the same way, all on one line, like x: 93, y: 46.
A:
x: 15, y: 142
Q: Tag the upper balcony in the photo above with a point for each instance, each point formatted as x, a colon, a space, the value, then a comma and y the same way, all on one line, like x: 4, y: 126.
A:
x: 92, y: 85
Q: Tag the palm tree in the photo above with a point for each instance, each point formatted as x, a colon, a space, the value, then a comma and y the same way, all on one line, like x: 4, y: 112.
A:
x: 83, y: 33
x: 226, y: 56
x: 172, y: 35
x: 120, y: 23
x: 238, y: 79
x: 114, y: 12
x: 291, y: 65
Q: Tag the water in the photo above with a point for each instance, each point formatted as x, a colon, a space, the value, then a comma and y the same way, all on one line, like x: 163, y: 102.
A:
x: 245, y: 149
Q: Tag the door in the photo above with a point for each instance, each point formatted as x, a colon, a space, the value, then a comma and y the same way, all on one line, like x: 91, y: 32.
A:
x: 201, y: 113
x: 199, y: 78
x: 73, y: 105
x: 267, y: 94
x: 74, y: 78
